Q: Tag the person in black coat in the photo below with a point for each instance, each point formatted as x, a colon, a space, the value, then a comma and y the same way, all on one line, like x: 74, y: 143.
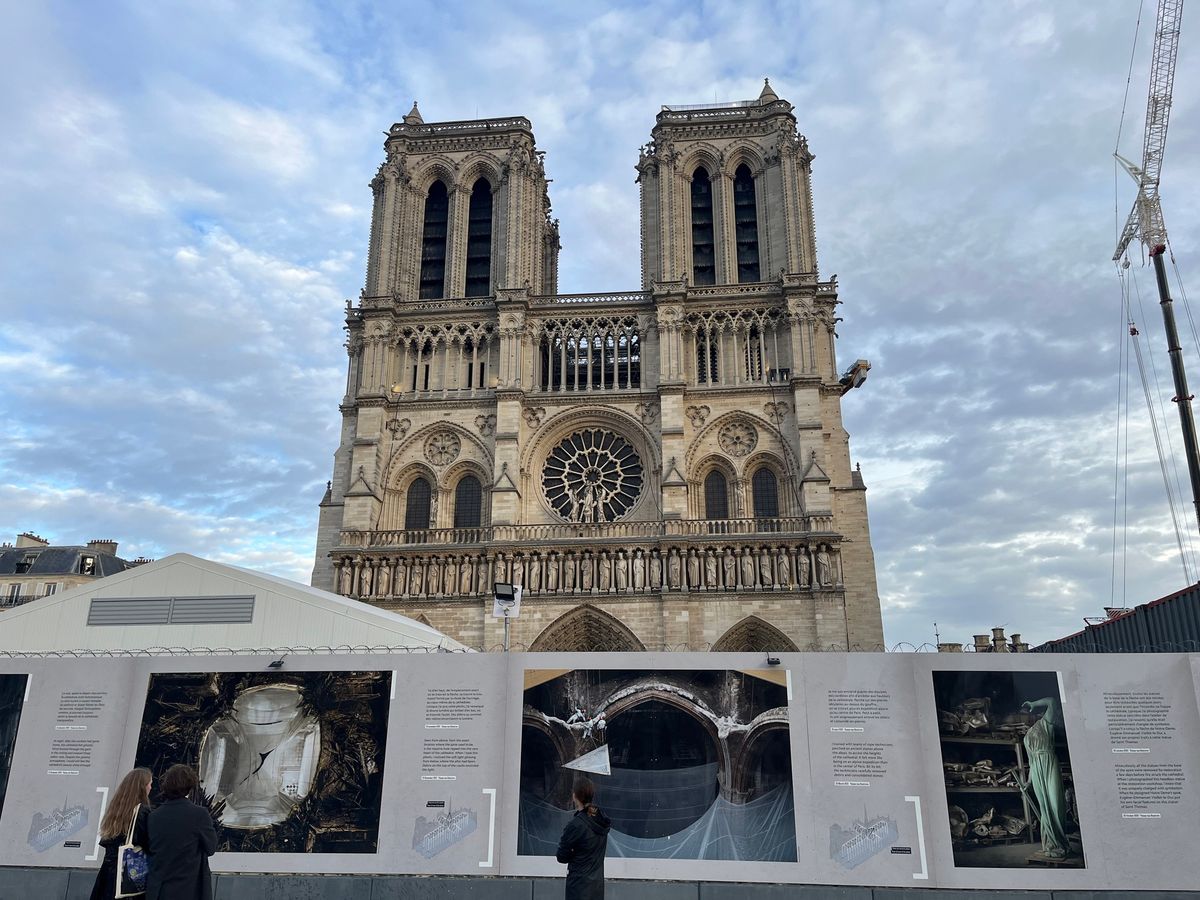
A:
x: 182, y: 838
x: 583, y: 844
x: 132, y: 794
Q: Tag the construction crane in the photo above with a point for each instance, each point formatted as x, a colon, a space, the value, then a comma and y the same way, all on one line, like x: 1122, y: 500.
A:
x: 1146, y: 219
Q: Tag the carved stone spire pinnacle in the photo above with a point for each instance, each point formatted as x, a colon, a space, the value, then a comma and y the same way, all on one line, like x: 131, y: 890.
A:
x: 414, y: 116
x: 768, y: 95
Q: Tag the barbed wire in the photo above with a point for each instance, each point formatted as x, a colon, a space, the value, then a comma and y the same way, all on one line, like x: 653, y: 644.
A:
x: 384, y: 649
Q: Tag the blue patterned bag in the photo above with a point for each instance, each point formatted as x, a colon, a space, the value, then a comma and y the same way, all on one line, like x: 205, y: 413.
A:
x: 132, y: 865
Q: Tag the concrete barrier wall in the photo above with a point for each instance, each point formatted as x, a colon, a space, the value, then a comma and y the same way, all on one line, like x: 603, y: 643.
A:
x: 76, y: 884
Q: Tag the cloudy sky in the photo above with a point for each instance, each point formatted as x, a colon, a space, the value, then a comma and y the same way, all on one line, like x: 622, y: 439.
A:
x: 184, y: 207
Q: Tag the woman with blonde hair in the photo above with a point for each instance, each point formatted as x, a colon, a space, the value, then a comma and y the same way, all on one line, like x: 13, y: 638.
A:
x: 132, y: 797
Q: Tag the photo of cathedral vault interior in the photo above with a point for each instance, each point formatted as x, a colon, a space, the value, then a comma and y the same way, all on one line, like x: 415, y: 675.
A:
x: 663, y: 468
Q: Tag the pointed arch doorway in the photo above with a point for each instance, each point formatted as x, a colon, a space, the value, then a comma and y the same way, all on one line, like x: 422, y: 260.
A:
x: 587, y: 629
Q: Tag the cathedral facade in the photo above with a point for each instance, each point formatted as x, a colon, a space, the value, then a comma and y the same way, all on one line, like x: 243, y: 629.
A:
x: 663, y: 468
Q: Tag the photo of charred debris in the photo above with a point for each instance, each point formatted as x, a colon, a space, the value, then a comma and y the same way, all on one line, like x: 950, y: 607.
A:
x: 288, y: 762
x: 699, y: 763
x: 12, y: 697
x: 1007, y: 768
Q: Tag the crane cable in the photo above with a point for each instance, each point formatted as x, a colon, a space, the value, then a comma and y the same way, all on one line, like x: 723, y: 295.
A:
x: 1172, y: 499
x: 1121, y: 502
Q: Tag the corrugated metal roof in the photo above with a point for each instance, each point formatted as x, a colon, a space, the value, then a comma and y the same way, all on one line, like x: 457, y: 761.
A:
x: 1170, y: 624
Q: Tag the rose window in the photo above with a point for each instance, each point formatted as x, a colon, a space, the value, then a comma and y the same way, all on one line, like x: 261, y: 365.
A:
x: 738, y: 438
x: 592, y: 476
x: 442, y: 448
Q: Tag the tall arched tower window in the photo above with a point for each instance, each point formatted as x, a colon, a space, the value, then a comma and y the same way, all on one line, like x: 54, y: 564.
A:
x: 745, y: 219
x: 716, y: 496
x: 704, y: 259
x: 479, y: 240
x: 468, y: 503
x: 765, y: 487
x: 433, y: 242
x: 416, y: 507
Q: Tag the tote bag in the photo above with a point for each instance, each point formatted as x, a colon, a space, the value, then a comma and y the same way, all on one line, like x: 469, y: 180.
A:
x: 132, y: 865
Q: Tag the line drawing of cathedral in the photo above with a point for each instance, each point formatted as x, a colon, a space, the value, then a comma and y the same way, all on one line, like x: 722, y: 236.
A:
x: 663, y: 468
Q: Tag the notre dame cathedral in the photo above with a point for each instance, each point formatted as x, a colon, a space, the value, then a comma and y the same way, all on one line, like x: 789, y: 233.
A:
x: 663, y: 468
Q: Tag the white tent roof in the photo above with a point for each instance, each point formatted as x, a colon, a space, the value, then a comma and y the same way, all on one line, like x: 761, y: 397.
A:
x: 286, y: 615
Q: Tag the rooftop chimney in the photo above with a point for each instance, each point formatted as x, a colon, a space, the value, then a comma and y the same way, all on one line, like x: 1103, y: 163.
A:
x: 29, y: 539
x: 950, y: 648
x: 104, y: 545
x: 999, y: 644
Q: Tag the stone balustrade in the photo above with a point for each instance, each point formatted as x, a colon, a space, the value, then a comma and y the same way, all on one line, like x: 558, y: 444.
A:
x: 470, y: 574
x: 567, y: 532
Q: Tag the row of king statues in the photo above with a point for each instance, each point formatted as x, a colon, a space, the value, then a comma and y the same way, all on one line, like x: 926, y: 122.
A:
x: 618, y: 571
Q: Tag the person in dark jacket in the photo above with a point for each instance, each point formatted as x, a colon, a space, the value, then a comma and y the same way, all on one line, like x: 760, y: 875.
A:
x: 182, y: 838
x: 583, y: 845
x: 130, y: 803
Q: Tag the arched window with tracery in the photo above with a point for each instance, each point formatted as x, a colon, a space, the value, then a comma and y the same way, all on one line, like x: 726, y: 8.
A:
x: 716, y: 495
x: 765, y: 488
x: 468, y: 503
x: 479, y: 240
x: 708, y: 349
x: 754, y: 354
x: 745, y: 221
x: 589, y: 355
x: 704, y: 257
x: 433, y: 242
x: 416, y: 505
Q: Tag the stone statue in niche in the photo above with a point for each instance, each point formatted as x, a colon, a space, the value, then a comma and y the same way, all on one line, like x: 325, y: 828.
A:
x: 765, y: 564
x: 434, y: 579
x: 501, y: 569
x: 693, y: 569
x: 417, y: 581
x: 569, y: 573
x: 533, y: 577
x: 364, y: 580
x: 552, y: 572
x: 385, y: 577
x: 710, y: 570
x: 674, y: 569
x: 804, y: 565
x: 586, y: 571
x: 656, y: 570
x: 464, y: 576
x: 518, y: 570
x: 400, y: 581
x: 605, y: 577
x: 729, y: 569
x: 347, y: 579
x: 639, y: 570
x: 783, y: 565
x: 482, y: 567
x: 824, y: 569
x: 621, y: 576
x: 747, y: 567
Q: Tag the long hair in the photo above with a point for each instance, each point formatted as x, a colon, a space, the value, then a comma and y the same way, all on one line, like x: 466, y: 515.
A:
x: 585, y: 793
x: 130, y: 794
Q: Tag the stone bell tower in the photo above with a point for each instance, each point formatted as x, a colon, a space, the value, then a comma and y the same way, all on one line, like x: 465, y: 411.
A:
x: 659, y: 468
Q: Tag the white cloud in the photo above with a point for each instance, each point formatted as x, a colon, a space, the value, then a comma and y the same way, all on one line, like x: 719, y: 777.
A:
x: 185, y: 212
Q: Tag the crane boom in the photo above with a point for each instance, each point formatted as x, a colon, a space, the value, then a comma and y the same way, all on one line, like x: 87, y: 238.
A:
x: 1145, y: 219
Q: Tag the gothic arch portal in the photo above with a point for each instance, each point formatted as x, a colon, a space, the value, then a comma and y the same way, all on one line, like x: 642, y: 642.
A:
x: 586, y: 629
x: 753, y: 635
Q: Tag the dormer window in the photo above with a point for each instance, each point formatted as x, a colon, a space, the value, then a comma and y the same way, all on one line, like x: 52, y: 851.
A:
x: 26, y: 563
x: 87, y: 565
